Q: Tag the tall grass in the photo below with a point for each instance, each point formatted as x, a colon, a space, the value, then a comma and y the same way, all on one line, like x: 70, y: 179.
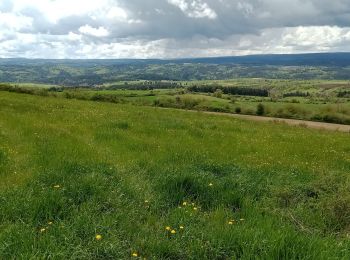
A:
x: 73, y: 170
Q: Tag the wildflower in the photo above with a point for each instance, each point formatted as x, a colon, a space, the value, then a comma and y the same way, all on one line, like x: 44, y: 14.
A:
x: 42, y: 230
x: 184, y: 203
x: 173, y: 231
x: 134, y: 254
x: 230, y: 222
x: 210, y: 184
x: 57, y: 186
x: 181, y: 227
x: 195, y: 208
x: 98, y: 237
x: 168, y: 228
x: 146, y: 201
x: 50, y: 223
x: 242, y: 219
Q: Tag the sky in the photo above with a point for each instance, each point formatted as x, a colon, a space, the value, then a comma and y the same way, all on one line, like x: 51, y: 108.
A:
x: 171, y: 28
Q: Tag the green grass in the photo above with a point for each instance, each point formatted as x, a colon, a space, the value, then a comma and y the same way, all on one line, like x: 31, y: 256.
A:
x: 330, y: 109
x: 322, y: 105
x: 35, y: 85
x: 124, y: 172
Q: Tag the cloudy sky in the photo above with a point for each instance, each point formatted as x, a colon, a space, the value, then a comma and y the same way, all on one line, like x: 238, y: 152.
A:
x: 171, y: 28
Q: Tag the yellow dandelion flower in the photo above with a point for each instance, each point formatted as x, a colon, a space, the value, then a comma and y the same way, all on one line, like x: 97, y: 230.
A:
x: 134, y: 254
x: 195, y: 208
x: 167, y: 228
x: 146, y: 201
x: 230, y: 222
x: 210, y: 184
x: 173, y: 231
x: 98, y: 237
x: 181, y: 227
x: 50, y: 223
x: 184, y: 203
x: 57, y: 186
x: 42, y: 230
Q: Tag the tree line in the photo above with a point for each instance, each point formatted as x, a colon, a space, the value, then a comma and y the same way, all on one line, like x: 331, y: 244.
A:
x: 343, y: 94
x: 230, y: 90
x: 146, y: 85
x: 296, y: 94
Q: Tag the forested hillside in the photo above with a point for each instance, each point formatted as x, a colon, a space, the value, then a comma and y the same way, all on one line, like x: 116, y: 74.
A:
x: 96, y: 72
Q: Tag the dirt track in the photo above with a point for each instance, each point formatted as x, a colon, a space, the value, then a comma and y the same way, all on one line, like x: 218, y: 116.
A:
x: 294, y: 122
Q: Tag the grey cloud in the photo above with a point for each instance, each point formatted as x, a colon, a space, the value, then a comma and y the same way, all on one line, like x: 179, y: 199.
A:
x: 161, y: 19
x: 160, y: 28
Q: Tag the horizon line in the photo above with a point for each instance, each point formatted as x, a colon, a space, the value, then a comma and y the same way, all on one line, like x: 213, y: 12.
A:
x: 183, y: 58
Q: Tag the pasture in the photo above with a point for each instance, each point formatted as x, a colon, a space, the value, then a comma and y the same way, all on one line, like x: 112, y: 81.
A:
x: 83, y: 179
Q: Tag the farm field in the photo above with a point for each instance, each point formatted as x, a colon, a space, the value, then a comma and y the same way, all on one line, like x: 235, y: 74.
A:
x: 102, y: 180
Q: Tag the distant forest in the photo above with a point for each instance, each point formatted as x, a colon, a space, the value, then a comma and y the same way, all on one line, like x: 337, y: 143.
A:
x: 97, y: 72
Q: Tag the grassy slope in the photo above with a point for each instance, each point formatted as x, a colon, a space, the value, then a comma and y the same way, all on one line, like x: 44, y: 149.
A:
x: 322, y: 105
x: 292, y: 107
x: 290, y: 185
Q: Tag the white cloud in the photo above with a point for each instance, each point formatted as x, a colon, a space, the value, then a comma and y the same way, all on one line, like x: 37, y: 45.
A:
x: 170, y: 28
x: 14, y: 21
x: 325, y: 36
x: 275, y: 40
x: 54, y: 10
x: 117, y: 13
x: 97, y: 32
x: 74, y: 37
x: 194, y: 8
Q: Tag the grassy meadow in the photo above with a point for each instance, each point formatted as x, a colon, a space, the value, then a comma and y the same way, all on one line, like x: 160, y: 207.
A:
x: 322, y: 100
x: 313, y: 100
x: 92, y: 180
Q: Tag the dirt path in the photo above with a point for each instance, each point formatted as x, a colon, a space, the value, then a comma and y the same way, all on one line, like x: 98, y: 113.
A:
x: 293, y: 122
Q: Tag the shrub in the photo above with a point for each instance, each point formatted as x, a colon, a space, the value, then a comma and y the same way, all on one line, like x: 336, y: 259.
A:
x: 218, y: 109
x: 156, y: 102
x: 238, y: 110
x: 218, y: 93
x: 249, y: 111
x: 260, y: 110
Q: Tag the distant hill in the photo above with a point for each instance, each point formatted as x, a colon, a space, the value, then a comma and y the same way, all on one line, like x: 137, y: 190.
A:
x: 308, y: 59
x: 98, y: 71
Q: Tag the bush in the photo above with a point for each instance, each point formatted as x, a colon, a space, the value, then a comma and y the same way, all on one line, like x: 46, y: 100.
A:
x: 260, y: 110
x: 238, y: 110
x: 189, y: 103
x: 249, y: 111
x: 218, y: 93
x: 156, y: 102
